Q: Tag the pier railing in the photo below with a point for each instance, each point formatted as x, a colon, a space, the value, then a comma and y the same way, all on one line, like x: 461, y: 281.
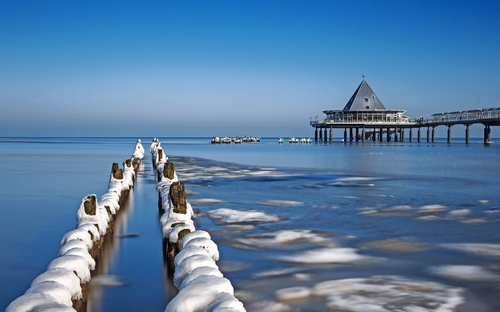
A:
x: 476, y: 115
x: 346, y: 121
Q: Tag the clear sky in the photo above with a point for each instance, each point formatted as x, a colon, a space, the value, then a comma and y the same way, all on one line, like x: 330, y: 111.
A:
x: 262, y: 68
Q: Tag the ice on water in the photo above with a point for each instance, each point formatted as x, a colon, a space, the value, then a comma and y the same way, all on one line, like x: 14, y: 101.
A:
x: 229, y: 216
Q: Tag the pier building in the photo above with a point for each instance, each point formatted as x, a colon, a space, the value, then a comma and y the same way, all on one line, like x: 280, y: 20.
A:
x: 364, y: 117
x: 365, y: 114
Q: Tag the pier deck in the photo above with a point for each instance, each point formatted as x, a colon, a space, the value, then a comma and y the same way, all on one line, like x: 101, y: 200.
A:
x: 371, y: 130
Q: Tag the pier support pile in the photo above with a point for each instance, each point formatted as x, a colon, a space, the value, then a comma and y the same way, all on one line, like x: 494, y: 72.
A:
x: 190, y: 253
x: 63, y: 287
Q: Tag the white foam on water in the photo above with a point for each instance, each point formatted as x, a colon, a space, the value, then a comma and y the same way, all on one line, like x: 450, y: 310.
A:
x: 240, y: 227
x: 351, y: 179
x: 459, y: 213
x: 351, y: 184
x: 281, y: 203
x: 367, y: 211
x: 228, y: 216
x: 206, y: 201
x: 233, y: 266
x: 388, y: 293
x: 280, y: 238
x: 432, y: 208
x: 398, y: 245
x: 326, y: 256
x: 268, y: 306
x: 428, y: 218
x: 464, y: 272
x: 489, y: 250
x: 484, y: 201
x: 473, y: 220
x: 293, y: 294
x: 399, y: 208
x: 277, y: 272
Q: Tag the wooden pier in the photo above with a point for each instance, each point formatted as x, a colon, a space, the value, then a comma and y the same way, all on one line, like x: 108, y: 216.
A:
x: 367, y: 119
x: 363, y: 127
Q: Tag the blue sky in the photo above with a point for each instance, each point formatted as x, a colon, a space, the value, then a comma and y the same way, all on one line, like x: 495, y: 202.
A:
x: 184, y: 68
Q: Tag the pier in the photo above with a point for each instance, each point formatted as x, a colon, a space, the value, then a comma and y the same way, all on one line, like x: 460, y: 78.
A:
x: 364, y: 118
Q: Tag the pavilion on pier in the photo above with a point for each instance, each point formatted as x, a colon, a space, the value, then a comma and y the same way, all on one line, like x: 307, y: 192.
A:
x: 364, y: 107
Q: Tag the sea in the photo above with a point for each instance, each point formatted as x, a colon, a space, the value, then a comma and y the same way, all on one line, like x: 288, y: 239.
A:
x: 356, y: 226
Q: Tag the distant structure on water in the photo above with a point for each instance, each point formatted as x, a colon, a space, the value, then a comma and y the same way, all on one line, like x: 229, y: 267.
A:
x: 365, y: 114
x: 365, y: 106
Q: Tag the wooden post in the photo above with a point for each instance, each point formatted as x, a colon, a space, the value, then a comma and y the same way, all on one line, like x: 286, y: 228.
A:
x: 467, y: 138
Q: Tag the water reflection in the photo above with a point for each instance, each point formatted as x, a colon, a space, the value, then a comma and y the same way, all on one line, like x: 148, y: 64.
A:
x: 101, y: 277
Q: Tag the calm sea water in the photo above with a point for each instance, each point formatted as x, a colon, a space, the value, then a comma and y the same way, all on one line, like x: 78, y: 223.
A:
x: 407, y: 219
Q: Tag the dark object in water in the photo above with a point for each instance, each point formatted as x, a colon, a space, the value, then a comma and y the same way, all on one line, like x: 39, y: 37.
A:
x: 129, y: 235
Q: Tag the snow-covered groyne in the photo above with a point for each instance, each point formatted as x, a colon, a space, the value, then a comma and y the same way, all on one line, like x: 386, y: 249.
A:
x: 63, y: 286
x: 191, y: 254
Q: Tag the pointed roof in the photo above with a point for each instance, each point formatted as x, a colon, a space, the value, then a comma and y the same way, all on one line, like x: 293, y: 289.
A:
x: 364, y: 99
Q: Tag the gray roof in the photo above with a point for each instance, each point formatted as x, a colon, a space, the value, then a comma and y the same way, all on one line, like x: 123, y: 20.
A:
x: 364, y: 99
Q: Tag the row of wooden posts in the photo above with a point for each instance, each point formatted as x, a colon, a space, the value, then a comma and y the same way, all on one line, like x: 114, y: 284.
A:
x: 63, y: 287
x: 190, y: 254
x: 396, y: 134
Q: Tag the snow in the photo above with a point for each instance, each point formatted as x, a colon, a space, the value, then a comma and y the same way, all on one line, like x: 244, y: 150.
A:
x: 53, y: 307
x: 187, y: 265
x: 325, y: 255
x: 207, y: 244
x: 228, y: 216
x: 73, y: 263
x: 139, y: 150
x: 110, y: 201
x: 33, y: 302
x: 173, y: 237
x: 198, y: 294
x: 82, y: 253
x: 199, y: 272
x: 58, y: 291
x: 91, y: 228
x: 169, y: 226
x: 80, y: 234
x: 188, y: 252
x: 170, y: 215
x: 74, y: 243
x: 225, y: 302
x: 195, y: 234
x: 63, y: 276
x: 128, y: 173
x: 464, y: 272
x: 83, y: 217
